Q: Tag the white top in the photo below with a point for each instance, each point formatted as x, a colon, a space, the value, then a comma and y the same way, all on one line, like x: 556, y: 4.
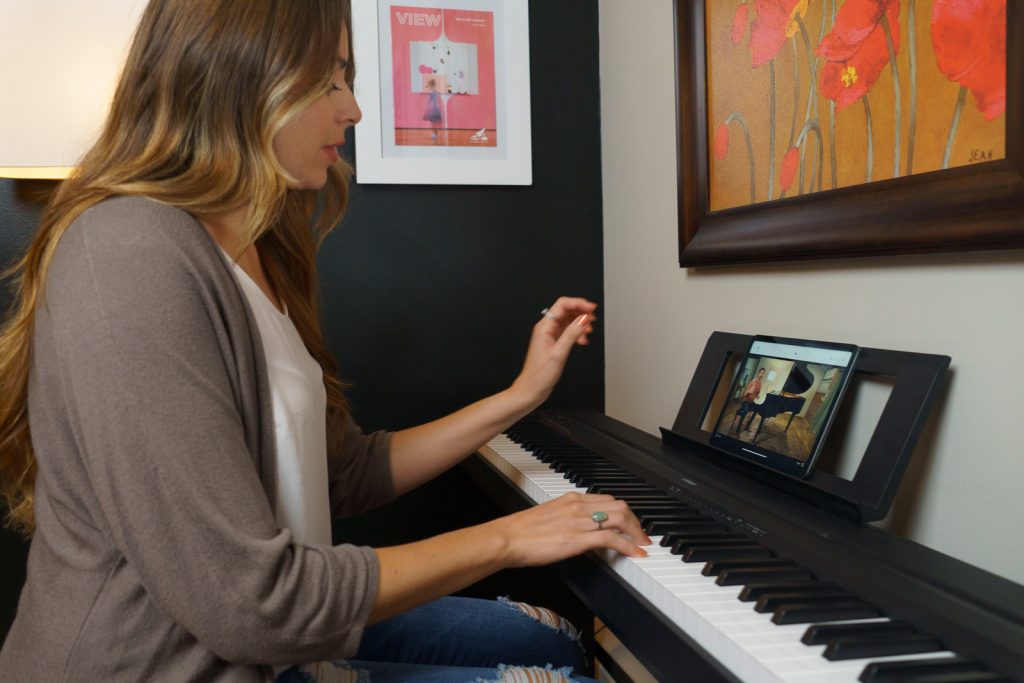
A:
x: 300, y: 420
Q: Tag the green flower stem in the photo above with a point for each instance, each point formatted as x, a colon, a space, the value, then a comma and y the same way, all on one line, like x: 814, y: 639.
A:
x: 832, y: 115
x: 796, y: 94
x: 871, y: 138
x: 896, y: 97
x: 738, y: 118
x: 801, y: 140
x: 960, y: 100
x: 771, y: 131
x: 812, y: 93
x: 912, y: 46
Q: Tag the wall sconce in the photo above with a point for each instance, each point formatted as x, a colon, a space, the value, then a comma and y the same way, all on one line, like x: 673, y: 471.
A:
x: 59, y: 63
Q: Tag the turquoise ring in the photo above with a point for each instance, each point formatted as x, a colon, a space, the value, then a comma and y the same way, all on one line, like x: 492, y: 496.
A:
x: 600, y: 518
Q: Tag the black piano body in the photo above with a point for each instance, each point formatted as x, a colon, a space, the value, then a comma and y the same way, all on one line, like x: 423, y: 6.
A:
x: 819, y: 524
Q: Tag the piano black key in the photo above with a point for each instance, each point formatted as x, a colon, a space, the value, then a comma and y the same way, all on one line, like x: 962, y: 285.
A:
x: 863, y: 648
x: 705, y: 553
x: 876, y: 672
x: 587, y: 467
x: 662, y: 515
x: 716, y: 567
x: 643, y: 498
x: 819, y: 634
x: 655, y: 507
x: 738, y: 577
x: 966, y: 677
x: 752, y: 591
x: 606, y: 477
x: 569, y: 469
x: 694, y: 526
x: 590, y: 480
x: 770, y: 601
x: 624, y: 489
x: 681, y: 540
x: 561, y: 463
x: 809, y: 613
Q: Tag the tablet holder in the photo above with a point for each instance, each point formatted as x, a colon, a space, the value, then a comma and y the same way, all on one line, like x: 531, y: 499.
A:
x: 918, y: 378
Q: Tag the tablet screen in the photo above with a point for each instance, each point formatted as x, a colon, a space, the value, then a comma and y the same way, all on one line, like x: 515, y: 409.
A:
x: 782, y: 402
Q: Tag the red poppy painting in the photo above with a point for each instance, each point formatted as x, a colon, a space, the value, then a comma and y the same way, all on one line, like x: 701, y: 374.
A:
x: 806, y: 96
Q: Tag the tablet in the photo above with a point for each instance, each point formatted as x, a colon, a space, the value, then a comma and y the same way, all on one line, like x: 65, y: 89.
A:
x: 782, y: 402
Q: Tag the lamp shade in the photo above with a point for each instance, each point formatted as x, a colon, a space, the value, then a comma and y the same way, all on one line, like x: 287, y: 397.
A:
x: 59, y: 63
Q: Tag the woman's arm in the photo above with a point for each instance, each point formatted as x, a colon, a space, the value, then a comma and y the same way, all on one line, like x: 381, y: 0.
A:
x: 416, y: 573
x: 421, y: 453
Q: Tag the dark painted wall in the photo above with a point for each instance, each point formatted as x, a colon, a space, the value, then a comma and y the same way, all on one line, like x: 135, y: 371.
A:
x: 430, y: 292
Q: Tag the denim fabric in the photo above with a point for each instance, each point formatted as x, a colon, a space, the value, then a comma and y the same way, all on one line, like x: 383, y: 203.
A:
x: 460, y: 640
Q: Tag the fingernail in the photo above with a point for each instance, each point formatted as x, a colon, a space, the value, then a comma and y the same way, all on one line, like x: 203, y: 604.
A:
x: 641, y: 552
x: 647, y: 540
x: 582, y: 320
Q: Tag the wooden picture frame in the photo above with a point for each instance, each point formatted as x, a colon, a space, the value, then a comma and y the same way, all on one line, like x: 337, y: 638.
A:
x: 966, y: 208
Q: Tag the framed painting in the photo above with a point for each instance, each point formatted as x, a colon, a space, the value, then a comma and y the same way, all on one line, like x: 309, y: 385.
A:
x: 444, y: 86
x: 813, y: 129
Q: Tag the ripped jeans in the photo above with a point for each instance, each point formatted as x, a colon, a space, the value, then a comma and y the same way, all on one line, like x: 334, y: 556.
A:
x: 460, y: 640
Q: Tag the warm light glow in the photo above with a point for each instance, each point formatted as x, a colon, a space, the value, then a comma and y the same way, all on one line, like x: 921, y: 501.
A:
x: 37, y: 172
x: 59, y: 62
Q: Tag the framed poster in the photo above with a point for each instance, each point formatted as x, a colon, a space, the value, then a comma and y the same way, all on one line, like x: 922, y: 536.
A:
x: 848, y: 128
x: 445, y: 91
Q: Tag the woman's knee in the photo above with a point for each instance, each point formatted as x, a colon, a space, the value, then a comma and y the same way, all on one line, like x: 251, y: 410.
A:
x: 545, y: 617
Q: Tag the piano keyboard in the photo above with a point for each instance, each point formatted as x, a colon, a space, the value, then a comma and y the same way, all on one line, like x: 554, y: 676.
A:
x: 753, y: 612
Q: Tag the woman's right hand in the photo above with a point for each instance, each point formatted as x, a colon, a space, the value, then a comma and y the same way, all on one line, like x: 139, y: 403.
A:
x: 564, y: 527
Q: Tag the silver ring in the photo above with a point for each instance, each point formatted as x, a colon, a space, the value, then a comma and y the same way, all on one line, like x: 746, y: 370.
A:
x: 546, y: 312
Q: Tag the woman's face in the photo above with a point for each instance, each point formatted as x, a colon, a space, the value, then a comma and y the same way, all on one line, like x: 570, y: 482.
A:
x: 307, y: 145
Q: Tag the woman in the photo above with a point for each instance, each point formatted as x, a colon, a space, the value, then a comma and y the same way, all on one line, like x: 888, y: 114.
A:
x: 189, y: 441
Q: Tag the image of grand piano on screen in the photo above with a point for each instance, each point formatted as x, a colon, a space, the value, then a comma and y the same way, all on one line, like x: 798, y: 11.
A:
x: 780, y: 405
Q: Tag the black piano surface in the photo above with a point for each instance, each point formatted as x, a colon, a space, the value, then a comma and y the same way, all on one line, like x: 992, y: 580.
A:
x: 960, y: 608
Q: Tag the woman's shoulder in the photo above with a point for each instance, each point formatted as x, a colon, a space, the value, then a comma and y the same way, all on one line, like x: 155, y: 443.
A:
x: 138, y: 221
x: 135, y: 242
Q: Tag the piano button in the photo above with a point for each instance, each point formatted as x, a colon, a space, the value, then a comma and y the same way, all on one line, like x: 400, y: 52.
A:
x: 751, y: 592
x: 861, y: 647
x: 810, y: 613
x: 734, y: 577
x: 902, y: 670
x: 691, y: 526
x: 770, y: 601
x: 820, y: 634
x: 715, y: 567
x: 705, y: 553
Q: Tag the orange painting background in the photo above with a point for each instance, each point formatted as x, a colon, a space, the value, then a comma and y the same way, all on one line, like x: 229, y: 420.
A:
x: 734, y: 85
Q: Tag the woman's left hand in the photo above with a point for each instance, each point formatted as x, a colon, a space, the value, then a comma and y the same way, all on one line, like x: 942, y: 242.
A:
x: 565, y: 324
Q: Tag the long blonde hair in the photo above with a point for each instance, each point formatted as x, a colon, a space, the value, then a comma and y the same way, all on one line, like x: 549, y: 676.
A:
x: 206, y: 86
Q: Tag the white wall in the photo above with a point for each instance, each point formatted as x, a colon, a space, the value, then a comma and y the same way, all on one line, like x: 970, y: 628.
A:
x: 964, y: 494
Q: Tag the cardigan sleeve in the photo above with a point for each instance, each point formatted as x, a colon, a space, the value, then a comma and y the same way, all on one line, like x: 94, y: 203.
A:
x: 143, y: 378
x: 360, y: 475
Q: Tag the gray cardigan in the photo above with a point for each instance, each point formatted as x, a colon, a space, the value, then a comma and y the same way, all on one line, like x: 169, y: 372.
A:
x: 156, y: 556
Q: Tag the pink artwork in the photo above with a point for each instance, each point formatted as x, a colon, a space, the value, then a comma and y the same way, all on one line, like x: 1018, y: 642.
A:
x: 443, y: 77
